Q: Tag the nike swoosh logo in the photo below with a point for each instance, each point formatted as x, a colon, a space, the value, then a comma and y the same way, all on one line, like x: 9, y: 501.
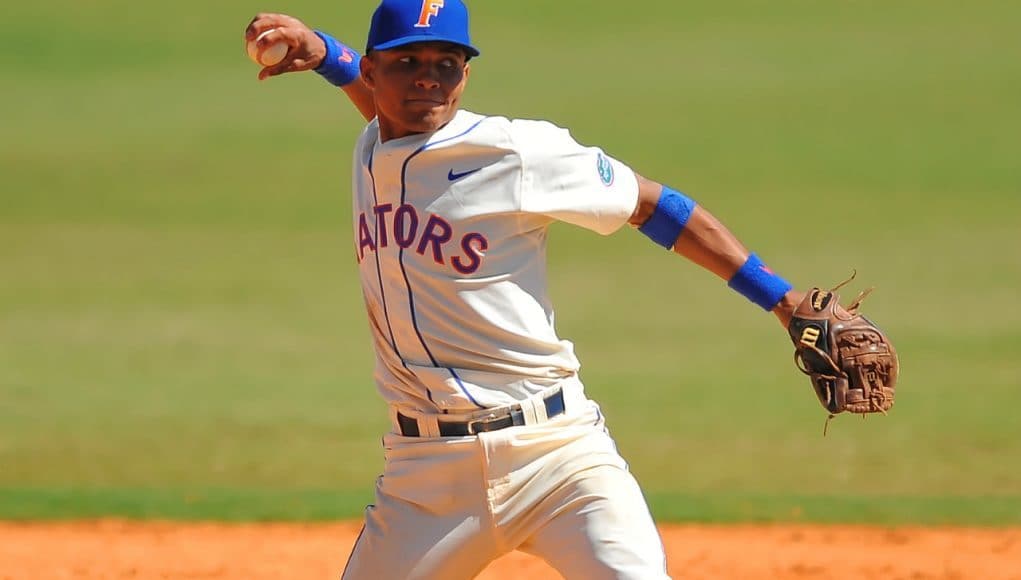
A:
x: 455, y: 176
x: 346, y: 56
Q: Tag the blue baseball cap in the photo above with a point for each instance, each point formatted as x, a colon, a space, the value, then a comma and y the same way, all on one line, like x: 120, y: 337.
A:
x: 399, y: 22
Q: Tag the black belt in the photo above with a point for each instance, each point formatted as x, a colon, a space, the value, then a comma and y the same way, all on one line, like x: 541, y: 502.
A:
x: 512, y: 417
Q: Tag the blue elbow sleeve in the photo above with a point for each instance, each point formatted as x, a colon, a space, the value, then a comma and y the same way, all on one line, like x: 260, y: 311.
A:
x: 668, y: 220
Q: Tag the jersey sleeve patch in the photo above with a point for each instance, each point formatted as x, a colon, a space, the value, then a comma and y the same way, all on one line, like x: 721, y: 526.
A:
x: 570, y: 182
x: 605, y: 169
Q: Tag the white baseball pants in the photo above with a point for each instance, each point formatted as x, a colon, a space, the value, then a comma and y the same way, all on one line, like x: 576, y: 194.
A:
x: 446, y: 507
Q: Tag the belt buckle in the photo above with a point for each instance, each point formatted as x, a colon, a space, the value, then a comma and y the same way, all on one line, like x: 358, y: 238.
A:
x: 481, y: 421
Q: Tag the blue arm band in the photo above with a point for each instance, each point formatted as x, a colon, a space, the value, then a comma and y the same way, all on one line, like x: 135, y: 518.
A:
x: 759, y: 284
x: 340, y: 65
x: 668, y: 220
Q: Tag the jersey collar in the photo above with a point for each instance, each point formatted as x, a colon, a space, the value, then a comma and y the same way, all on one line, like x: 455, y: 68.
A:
x: 461, y: 121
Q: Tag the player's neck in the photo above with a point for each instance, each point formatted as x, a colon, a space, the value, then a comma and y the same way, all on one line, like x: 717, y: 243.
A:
x: 390, y: 130
x: 388, y: 133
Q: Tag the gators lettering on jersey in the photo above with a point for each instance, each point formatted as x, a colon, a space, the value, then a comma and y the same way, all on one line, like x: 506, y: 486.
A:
x: 450, y: 234
x: 432, y: 237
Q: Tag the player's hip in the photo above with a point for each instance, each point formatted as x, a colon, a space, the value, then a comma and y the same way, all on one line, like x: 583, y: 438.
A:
x: 456, y: 411
x: 506, y: 467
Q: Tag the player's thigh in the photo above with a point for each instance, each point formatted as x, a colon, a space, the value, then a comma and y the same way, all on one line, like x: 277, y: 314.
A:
x: 402, y: 540
x: 601, y: 529
x: 428, y: 519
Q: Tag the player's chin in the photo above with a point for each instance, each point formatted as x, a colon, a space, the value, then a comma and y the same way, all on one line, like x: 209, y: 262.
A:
x: 427, y: 115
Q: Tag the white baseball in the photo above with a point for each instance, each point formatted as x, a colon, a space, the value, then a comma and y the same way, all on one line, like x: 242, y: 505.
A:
x: 271, y: 55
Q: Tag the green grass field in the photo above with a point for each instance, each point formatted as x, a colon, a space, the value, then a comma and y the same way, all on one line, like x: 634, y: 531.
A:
x: 182, y: 334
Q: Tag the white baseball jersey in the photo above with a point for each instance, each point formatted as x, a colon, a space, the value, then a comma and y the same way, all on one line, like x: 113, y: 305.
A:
x: 450, y: 236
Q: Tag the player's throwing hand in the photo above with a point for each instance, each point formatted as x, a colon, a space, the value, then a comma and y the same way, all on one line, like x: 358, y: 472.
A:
x: 306, y: 49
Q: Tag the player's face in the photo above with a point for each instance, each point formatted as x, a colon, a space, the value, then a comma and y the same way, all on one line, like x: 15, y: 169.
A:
x: 417, y: 87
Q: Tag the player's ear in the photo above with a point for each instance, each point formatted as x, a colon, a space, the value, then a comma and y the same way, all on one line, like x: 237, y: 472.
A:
x: 367, y: 65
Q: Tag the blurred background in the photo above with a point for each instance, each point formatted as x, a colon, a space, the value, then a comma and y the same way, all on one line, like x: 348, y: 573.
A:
x: 181, y: 328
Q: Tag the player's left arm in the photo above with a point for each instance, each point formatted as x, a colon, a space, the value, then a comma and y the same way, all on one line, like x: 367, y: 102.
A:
x: 704, y: 240
x: 851, y: 362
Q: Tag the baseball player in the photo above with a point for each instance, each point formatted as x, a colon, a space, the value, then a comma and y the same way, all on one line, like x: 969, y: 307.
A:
x: 494, y: 446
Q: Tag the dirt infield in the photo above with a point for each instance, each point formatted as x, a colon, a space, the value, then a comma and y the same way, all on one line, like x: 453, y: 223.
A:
x: 113, y: 549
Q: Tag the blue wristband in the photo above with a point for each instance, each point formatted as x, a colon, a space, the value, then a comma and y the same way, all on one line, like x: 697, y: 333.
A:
x: 667, y: 222
x: 759, y: 284
x: 340, y: 65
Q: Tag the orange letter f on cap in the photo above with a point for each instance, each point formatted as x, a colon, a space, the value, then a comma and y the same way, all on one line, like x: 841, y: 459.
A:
x: 430, y: 8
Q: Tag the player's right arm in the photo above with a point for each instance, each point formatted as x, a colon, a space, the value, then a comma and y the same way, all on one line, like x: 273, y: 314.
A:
x: 307, y: 52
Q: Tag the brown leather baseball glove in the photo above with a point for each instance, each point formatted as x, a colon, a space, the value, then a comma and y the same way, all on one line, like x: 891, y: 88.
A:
x: 851, y: 362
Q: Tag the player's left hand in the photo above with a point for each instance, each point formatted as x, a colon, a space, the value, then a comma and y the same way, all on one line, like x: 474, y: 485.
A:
x: 851, y: 362
x: 306, y: 49
x: 788, y: 304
